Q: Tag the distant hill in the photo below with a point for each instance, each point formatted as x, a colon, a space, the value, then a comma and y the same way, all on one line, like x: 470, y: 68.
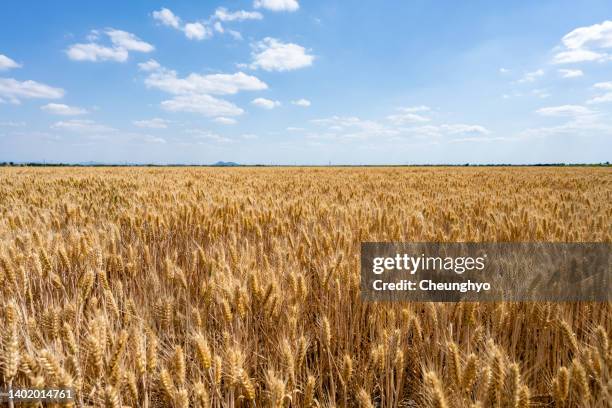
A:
x: 225, y: 164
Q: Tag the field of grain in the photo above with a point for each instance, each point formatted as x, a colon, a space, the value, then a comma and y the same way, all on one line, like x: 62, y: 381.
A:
x: 223, y: 287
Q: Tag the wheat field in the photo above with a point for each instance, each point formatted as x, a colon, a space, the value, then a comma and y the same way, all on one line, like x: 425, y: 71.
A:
x: 223, y: 287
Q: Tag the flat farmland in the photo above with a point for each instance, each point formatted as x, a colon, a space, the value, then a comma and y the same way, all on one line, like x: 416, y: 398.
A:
x: 222, y: 287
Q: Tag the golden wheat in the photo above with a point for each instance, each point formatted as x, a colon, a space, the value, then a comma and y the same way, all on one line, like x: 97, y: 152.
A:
x: 177, y: 287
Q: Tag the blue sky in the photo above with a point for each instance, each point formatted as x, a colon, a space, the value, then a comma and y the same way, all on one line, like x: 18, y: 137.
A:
x: 296, y: 82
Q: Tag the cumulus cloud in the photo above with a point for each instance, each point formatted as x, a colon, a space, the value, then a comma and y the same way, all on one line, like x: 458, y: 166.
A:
x: 265, y: 103
x: 81, y: 125
x: 150, y: 65
x: 225, y: 121
x: 351, y: 127
x: 564, y: 110
x: 570, y: 73
x: 598, y: 35
x: 274, y: 55
x: 224, y: 14
x: 585, y: 44
x: 409, y: 115
x: 155, y: 123
x: 121, y: 43
x: 7, y: 63
x: 607, y: 86
x: 95, y: 52
x: 301, y: 102
x: 463, y: 129
x: 277, y: 5
x: 64, y: 110
x: 193, y: 93
x: 128, y: 41
x: 606, y: 97
x: 574, y: 56
x: 216, y: 84
x: 203, y: 104
x: 204, y: 29
x: 167, y: 17
x: 197, y: 30
x: 14, y: 90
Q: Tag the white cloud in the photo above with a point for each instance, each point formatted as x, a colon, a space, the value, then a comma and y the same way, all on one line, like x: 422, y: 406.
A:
x: 216, y: 84
x: 265, y: 103
x: 122, y: 42
x: 564, y: 110
x: 193, y: 31
x: 225, y: 121
x: 61, y: 109
x: 274, y: 55
x: 277, y: 5
x: 606, y: 97
x: 576, y: 126
x: 95, y: 52
x: 194, y: 91
x: 81, y: 125
x: 570, y: 73
x: 347, y: 128
x: 580, y: 44
x: 301, y: 102
x: 463, y: 129
x: 6, y: 63
x: 197, y: 31
x: 241, y: 15
x: 503, y: 70
x: 203, y: 104
x: 419, y: 108
x: 531, y: 76
x: 249, y: 136
x: 128, y: 41
x: 167, y: 17
x: 150, y: 65
x: 409, y: 115
x: 405, y: 117
x: 573, y: 56
x: 14, y: 90
x: 155, y: 123
x: 597, y: 35
x: 606, y: 86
